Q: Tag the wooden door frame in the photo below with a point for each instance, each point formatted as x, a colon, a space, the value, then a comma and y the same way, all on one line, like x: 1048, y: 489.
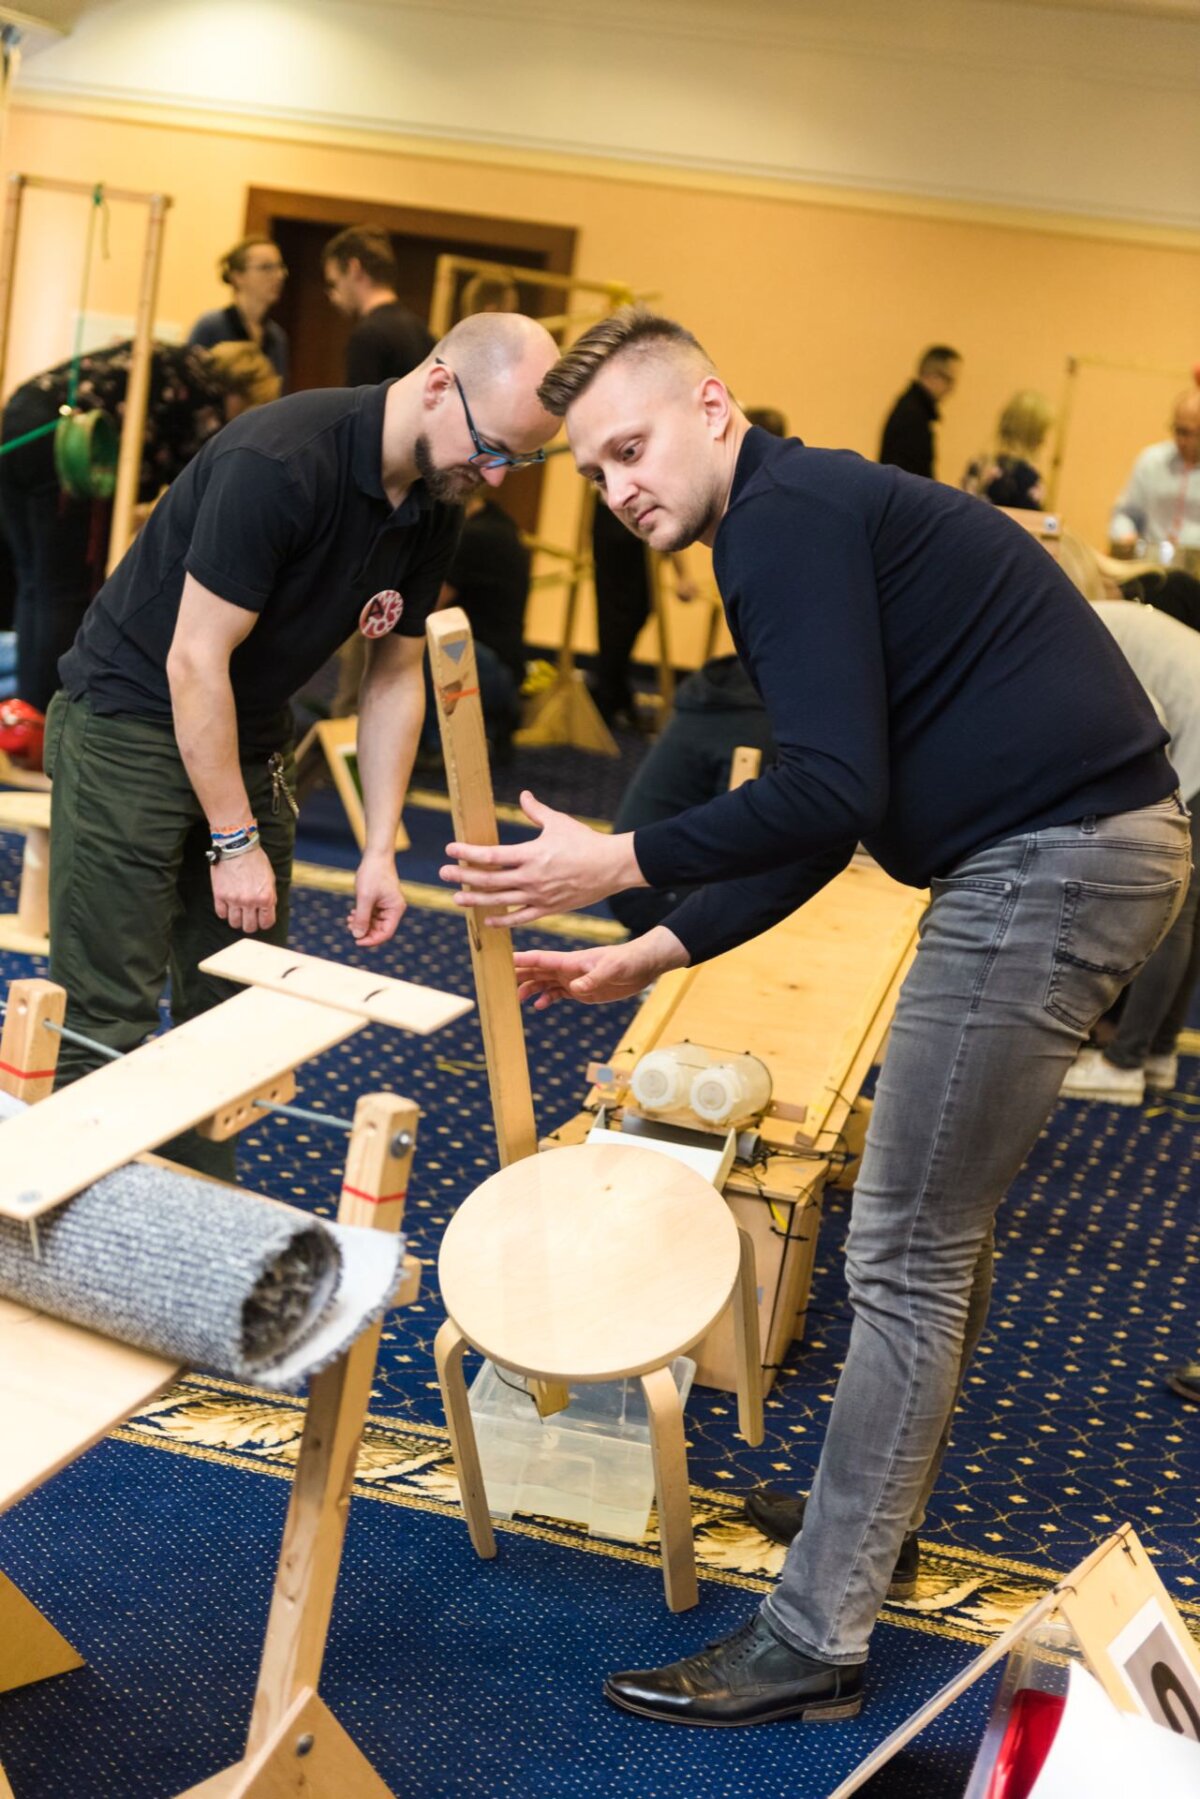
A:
x: 556, y: 243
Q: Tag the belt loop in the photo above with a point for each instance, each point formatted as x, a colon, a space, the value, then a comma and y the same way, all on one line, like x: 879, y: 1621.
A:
x: 1088, y: 824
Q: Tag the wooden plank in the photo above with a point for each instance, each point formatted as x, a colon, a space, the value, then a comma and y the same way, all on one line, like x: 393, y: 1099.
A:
x: 803, y: 996
x: 464, y: 747
x: 167, y: 1085
x: 62, y: 1388
x: 374, y: 998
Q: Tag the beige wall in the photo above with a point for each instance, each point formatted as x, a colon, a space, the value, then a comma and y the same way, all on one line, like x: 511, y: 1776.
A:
x: 815, y: 307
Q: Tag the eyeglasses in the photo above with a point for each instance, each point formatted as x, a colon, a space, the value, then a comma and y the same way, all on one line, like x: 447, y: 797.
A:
x: 485, y: 456
x: 265, y: 268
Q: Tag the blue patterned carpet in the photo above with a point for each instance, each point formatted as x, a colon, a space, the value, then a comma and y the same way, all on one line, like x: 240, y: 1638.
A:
x: 463, y: 1678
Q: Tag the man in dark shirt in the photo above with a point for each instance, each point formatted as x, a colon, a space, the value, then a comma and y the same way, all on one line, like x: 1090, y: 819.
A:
x: 329, y: 510
x: 938, y: 690
x: 908, y: 441
x: 360, y: 279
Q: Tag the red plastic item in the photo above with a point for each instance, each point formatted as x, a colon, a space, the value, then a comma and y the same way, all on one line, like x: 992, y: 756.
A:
x: 1032, y: 1726
x: 22, y: 732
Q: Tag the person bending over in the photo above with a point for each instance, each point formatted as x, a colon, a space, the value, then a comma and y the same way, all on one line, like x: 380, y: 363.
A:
x: 908, y: 644
x: 59, y: 542
x: 170, y: 743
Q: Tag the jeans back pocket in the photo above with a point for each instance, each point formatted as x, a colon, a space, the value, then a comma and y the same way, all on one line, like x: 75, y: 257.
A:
x: 1106, y: 934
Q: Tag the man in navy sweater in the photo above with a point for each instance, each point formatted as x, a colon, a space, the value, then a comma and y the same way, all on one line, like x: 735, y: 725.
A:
x: 939, y: 691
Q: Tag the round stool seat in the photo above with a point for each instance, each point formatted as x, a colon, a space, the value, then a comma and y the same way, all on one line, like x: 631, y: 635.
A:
x: 589, y: 1263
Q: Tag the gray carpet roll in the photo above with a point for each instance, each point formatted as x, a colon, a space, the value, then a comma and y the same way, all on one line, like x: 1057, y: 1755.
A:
x: 184, y: 1267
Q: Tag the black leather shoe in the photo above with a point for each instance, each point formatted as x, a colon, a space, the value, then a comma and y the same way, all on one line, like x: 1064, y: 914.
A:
x: 780, y: 1516
x: 751, y: 1677
x: 1185, y: 1380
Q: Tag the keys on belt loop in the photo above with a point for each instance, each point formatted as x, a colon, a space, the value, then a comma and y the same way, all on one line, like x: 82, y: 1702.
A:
x: 279, y: 787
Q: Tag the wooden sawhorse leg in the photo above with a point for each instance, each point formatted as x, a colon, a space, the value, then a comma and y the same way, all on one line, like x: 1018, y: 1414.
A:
x: 296, y: 1746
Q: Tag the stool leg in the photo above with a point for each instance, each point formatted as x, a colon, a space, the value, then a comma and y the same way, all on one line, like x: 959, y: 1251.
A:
x: 671, y: 1489
x: 448, y: 1348
x: 747, y: 1354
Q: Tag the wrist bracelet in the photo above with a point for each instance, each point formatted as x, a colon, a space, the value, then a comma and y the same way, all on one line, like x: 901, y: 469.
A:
x: 225, y: 852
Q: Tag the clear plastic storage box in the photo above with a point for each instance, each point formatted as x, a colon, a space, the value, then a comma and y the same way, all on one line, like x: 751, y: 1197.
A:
x: 589, y: 1465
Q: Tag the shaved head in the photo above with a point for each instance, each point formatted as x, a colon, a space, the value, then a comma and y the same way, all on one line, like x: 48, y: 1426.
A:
x: 495, y: 346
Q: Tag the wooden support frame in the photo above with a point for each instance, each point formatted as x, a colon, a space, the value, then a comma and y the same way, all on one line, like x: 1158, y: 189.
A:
x: 566, y: 712
x: 337, y: 740
x: 299, y: 1006
x: 133, y: 429
x: 295, y: 1744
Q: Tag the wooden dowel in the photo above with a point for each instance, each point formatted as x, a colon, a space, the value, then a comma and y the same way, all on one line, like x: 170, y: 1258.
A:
x: 137, y: 392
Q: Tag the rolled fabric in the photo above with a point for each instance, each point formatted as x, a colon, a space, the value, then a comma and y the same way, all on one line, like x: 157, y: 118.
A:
x: 204, y: 1273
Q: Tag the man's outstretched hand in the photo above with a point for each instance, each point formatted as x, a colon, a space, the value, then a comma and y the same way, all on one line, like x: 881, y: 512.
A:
x: 567, y: 865
x: 596, y: 975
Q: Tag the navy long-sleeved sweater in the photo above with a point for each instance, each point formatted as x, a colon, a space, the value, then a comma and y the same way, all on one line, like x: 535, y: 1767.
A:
x: 934, y: 683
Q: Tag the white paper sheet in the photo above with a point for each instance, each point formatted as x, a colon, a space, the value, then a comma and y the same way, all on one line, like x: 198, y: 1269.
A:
x: 1104, y: 1753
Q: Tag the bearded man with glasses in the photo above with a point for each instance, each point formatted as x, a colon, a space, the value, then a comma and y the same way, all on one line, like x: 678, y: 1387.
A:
x: 170, y: 742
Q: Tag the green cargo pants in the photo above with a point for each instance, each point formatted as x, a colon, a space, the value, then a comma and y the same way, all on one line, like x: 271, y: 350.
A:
x: 130, y: 892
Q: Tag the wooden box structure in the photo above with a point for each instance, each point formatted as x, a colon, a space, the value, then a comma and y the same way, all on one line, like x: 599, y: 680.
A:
x: 813, y: 999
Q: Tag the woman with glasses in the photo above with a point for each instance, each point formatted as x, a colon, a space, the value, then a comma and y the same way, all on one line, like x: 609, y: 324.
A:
x: 256, y: 272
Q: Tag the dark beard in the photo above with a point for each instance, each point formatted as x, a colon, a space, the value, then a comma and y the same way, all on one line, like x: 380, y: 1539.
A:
x: 449, y: 485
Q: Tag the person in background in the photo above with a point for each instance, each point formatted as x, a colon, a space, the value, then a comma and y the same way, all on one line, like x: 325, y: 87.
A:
x: 488, y: 293
x: 59, y: 544
x: 360, y: 278
x: 1009, y: 476
x: 256, y: 272
x: 489, y: 579
x: 908, y: 437
x: 1141, y: 1057
x: 1161, y: 502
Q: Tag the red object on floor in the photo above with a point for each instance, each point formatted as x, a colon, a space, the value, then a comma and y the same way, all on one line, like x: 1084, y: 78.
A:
x: 22, y: 732
x: 1032, y: 1726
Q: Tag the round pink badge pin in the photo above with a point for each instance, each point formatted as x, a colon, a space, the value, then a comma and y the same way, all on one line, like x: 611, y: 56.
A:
x: 381, y: 613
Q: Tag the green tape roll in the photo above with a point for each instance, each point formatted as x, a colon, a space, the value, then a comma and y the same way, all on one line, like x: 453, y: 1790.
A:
x: 86, y: 445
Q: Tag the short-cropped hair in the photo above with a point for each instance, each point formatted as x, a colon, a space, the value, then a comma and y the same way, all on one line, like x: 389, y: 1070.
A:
x: 629, y: 329
x: 372, y: 247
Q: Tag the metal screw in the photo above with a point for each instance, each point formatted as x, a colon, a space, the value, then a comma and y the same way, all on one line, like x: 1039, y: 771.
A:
x: 304, y: 1744
x: 402, y: 1142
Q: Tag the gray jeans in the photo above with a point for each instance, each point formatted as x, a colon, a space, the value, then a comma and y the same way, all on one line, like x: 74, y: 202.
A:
x: 1021, y: 949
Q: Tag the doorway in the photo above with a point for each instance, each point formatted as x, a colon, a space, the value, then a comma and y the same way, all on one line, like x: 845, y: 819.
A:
x: 301, y: 224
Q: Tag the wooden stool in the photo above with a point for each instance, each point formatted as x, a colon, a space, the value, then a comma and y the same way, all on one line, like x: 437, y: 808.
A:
x: 28, y: 928
x: 593, y: 1264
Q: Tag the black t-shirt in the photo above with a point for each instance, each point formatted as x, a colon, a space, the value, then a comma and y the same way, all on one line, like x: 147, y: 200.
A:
x: 388, y: 342
x: 490, y: 578
x: 283, y: 513
x: 908, y: 435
